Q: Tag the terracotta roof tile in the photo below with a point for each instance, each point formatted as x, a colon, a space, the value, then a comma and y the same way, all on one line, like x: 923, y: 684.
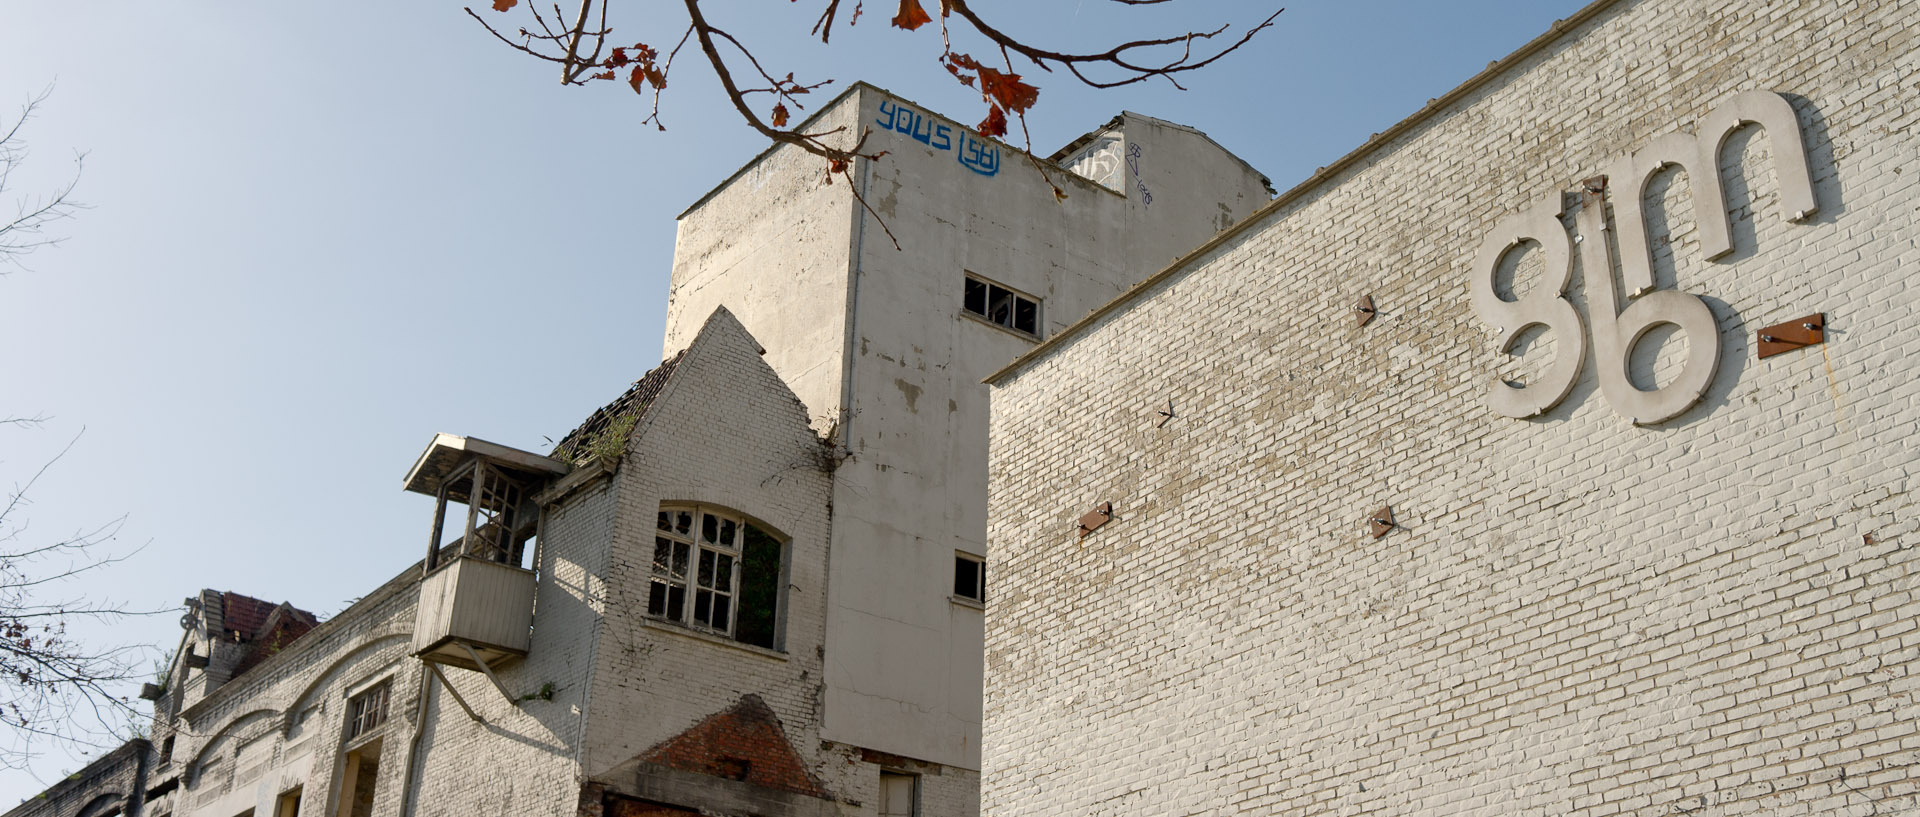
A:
x: 265, y: 627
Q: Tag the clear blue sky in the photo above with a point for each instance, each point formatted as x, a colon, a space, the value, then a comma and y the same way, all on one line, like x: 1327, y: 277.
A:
x: 302, y: 213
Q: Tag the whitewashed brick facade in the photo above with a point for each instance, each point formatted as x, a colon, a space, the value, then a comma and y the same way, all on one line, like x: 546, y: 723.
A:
x: 1576, y: 615
x: 822, y: 387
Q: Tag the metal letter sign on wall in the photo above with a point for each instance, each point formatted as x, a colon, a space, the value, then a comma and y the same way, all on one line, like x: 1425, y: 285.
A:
x: 1616, y: 331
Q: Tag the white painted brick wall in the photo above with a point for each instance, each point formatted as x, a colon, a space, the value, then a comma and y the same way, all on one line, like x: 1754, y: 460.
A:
x: 1577, y: 616
x: 725, y: 432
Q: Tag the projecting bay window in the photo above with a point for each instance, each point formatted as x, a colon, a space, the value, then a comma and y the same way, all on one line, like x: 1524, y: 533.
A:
x: 716, y: 572
x: 1001, y: 306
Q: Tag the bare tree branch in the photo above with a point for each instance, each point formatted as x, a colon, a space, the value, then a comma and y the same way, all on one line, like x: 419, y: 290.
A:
x: 54, y: 687
x: 1002, y: 89
x: 25, y: 232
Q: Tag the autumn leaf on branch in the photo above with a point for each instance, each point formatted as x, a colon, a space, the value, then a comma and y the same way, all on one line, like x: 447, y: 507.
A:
x: 911, y: 15
x: 577, y: 41
x: 995, y: 124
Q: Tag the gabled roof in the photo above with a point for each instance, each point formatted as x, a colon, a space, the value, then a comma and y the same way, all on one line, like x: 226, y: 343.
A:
x: 263, y: 626
x: 251, y: 617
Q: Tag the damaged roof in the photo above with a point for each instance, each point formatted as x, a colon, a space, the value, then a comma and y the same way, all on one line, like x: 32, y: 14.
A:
x: 265, y: 626
x: 617, y: 417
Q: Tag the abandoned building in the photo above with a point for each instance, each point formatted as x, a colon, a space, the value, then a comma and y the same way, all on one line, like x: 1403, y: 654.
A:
x: 647, y: 620
x: 1553, y: 453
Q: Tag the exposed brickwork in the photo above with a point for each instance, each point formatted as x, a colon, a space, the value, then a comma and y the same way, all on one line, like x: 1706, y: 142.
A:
x: 745, y: 742
x: 1576, y: 616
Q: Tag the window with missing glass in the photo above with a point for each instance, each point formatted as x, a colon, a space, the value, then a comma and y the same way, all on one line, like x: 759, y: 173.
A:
x: 715, y: 571
x: 367, y: 711
x: 969, y: 577
x: 1002, y: 306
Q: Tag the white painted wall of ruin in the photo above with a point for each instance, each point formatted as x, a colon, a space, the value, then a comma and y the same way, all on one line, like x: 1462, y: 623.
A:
x: 724, y: 432
x: 904, y: 660
x: 1577, y: 615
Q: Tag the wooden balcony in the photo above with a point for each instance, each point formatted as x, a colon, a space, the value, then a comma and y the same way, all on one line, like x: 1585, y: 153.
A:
x: 484, y: 605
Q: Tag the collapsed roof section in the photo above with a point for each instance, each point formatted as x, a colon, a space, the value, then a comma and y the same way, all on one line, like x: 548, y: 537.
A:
x: 605, y: 432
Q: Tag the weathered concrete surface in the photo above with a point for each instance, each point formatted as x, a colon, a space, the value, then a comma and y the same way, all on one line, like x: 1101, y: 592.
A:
x: 903, y: 666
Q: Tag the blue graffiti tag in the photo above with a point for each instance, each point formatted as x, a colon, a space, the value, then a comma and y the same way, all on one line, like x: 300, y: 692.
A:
x: 923, y: 128
x: 978, y: 155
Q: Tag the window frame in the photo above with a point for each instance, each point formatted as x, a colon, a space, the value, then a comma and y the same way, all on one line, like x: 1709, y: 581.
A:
x: 353, y: 735
x: 913, y: 795
x: 683, y: 608
x: 979, y: 598
x: 985, y: 313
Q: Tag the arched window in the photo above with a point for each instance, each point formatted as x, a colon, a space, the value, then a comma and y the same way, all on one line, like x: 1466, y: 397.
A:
x: 714, y: 570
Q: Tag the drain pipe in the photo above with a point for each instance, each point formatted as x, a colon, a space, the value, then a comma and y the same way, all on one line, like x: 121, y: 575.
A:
x: 413, y: 743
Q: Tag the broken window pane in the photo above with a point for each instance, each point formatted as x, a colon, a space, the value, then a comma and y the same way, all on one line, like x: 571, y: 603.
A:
x: 703, y: 606
x: 969, y: 577
x: 759, y: 589
x: 1026, y: 316
x: 1000, y: 306
x: 486, y: 513
x: 668, y: 588
x: 976, y: 297
x: 657, y: 598
x: 367, y: 711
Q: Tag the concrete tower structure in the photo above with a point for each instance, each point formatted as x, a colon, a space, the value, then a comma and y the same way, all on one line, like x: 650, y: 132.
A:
x: 884, y: 322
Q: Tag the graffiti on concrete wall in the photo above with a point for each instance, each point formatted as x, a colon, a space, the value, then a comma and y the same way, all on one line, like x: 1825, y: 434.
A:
x: 1100, y: 163
x: 1133, y: 164
x: 975, y: 153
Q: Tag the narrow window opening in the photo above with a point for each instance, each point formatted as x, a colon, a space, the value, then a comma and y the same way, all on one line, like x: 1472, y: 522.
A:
x: 1026, y: 316
x: 759, y: 589
x: 976, y: 296
x: 288, y: 805
x: 367, y: 711
x: 358, y: 780
x: 1000, y: 306
x: 969, y: 577
x: 899, y: 794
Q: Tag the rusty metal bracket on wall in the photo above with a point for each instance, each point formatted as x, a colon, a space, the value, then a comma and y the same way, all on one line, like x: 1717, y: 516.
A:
x: 1798, y: 333
x: 1092, y: 520
x: 1381, y: 521
x: 1363, y: 311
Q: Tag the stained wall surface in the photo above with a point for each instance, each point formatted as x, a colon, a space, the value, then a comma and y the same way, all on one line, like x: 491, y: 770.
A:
x: 1574, y: 614
x: 905, y: 403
